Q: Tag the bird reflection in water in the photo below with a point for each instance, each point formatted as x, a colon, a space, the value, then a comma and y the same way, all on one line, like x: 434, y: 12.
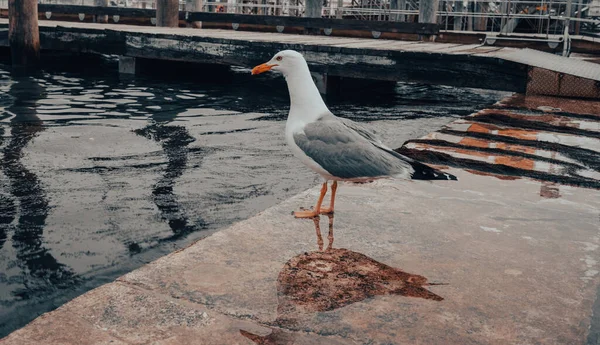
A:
x: 27, y: 198
x: 8, y: 208
x: 174, y: 141
x: 7, y: 214
x: 332, y: 278
x: 317, y: 222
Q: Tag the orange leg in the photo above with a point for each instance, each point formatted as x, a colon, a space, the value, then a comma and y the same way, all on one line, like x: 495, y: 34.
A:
x: 317, y: 210
x: 329, y: 210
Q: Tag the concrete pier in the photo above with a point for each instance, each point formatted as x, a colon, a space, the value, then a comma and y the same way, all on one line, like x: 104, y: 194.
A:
x: 493, y: 258
x: 464, y: 65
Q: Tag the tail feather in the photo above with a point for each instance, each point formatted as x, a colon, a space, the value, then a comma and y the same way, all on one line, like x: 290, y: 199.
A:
x: 424, y: 172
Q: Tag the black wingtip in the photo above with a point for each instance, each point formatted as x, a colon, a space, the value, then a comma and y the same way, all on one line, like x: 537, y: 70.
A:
x: 424, y: 172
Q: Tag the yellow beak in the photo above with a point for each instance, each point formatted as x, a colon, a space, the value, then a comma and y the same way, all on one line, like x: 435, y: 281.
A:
x: 262, y: 68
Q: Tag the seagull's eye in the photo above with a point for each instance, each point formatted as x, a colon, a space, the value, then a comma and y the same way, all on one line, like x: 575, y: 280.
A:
x: 279, y: 58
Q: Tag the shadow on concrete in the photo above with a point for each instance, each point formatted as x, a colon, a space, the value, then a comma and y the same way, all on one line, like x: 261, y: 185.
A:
x: 332, y: 278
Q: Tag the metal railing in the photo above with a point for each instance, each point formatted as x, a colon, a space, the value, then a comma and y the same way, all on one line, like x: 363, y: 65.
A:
x: 551, y: 20
x: 510, y: 16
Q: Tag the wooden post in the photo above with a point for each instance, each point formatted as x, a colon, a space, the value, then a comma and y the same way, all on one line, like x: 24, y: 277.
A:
x: 394, y: 5
x: 504, y: 11
x: 167, y: 13
x: 428, y: 11
x: 23, y: 32
x: 263, y: 10
x: 470, y: 19
x: 428, y: 14
x: 194, y: 6
x: 402, y: 6
x: 578, y: 23
x: 102, y: 18
x: 458, y: 18
x: 481, y: 22
x: 313, y: 9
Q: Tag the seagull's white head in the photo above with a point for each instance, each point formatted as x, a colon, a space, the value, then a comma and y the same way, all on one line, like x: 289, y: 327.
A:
x: 305, y: 99
x: 286, y: 62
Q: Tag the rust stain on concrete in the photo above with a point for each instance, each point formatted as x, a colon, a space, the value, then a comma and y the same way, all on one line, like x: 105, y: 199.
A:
x: 330, y: 279
x: 327, y: 280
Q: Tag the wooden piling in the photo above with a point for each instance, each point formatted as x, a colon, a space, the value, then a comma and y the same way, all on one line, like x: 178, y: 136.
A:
x: 263, y: 10
x: 402, y: 6
x: 340, y: 9
x: 470, y: 19
x: 194, y: 6
x: 393, y: 6
x: 458, y: 19
x: 101, y: 18
x: 481, y: 22
x: 167, y: 13
x: 505, y: 15
x: 397, y: 5
x: 428, y: 11
x: 428, y: 14
x: 23, y: 32
x: 314, y: 8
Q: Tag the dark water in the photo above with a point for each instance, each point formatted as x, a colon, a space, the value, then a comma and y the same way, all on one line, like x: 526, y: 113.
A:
x: 99, y: 175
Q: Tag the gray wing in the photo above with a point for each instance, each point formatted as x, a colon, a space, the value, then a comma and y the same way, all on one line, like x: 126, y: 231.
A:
x: 348, y: 150
x: 367, y: 133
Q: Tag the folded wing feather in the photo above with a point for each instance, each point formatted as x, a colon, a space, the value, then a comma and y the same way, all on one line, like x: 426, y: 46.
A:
x: 348, y: 150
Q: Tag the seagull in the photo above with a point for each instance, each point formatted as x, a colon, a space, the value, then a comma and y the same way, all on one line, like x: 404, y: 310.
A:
x: 336, y: 148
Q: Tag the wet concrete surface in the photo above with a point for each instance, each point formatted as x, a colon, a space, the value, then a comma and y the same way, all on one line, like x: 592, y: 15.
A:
x: 100, y: 175
x: 493, y: 258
